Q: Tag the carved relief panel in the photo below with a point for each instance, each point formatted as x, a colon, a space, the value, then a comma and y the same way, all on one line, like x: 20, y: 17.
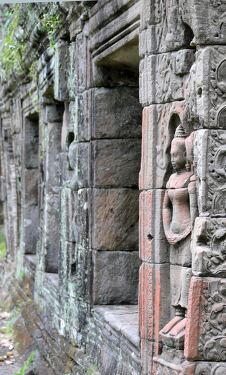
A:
x: 158, y: 127
x: 210, y: 369
x: 210, y: 165
x: 207, y: 20
x: 209, y: 247
x: 206, y: 330
x: 209, y: 87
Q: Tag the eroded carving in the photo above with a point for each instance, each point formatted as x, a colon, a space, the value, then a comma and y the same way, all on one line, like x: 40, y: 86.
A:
x: 211, y: 369
x: 212, y: 345
x: 210, y: 163
x: 179, y: 212
x: 209, y: 247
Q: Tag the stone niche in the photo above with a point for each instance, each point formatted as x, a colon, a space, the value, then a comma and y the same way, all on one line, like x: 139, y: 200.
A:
x: 115, y: 158
x: 30, y: 182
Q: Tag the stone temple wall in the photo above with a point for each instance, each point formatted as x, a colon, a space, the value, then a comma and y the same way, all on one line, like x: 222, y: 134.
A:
x: 104, y: 299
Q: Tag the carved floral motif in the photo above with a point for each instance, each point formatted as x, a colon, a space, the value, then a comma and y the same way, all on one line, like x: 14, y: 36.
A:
x: 210, y: 165
x: 210, y: 369
x: 209, y: 247
x: 212, y: 344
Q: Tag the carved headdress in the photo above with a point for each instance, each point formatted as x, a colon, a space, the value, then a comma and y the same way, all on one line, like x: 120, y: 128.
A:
x: 180, y: 132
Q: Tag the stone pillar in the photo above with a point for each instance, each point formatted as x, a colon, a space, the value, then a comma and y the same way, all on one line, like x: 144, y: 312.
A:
x: 166, y: 60
x: 179, y: 86
x: 115, y: 158
x: 53, y: 117
x: 205, y: 333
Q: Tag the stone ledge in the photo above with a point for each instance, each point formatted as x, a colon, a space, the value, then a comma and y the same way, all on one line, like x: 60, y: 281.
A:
x: 113, y: 341
x: 123, y: 319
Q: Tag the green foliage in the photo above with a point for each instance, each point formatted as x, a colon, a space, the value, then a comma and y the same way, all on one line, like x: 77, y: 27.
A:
x: 21, y: 275
x: 33, y: 70
x: 26, y: 365
x: 2, y: 246
x: 20, y: 21
x: 12, y: 47
x: 91, y: 370
x: 51, y: 22
x: 8, y: 328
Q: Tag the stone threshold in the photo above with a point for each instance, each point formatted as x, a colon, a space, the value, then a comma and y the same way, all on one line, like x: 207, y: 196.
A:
x: 122, y: 318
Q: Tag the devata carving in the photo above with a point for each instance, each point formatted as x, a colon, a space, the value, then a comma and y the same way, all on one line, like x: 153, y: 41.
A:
x: 179, y: 212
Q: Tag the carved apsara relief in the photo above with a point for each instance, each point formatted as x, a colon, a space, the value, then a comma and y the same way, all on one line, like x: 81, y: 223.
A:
x: 179, y: 213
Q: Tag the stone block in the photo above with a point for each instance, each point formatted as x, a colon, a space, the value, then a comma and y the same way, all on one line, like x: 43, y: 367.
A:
x: 209, y: 156
x: 208, y: 247
x: 207, y: 22
x: 69, y: 200
x: 116, y: 163
x: 72, y: 72
x: 115, y: 219
x: 51, y: 232
x: 30, y: 230
x: 80, y: 223
x: 173, y: 365
x: 81, y: 63
x: 61, y: 71
x: 169, y: 73
x: 2, y: 189
x: 153, y: 245
x: 209, y: 84
x: 115, y: 277
x: 78, y: 122
x: 66, y: 171
x: 67, y: 130
x: 183, y: 61
x: 205, y: 332
x: 31, y: 144
x: 68, y: 262
x: 82, y: 121
x: 53, y: 113
x: 79, y: 161
x: 157, y: 133
x: 210, y: 368
x: 30, y: 183
x: 168, y: 31
x: 117, y: 113
x: 75, y: 215
x: 154, y: 300
x: 109, y: 76
x: 53, y: 148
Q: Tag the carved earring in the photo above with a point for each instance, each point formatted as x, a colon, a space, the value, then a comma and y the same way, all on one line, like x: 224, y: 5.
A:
x: 188, y: 166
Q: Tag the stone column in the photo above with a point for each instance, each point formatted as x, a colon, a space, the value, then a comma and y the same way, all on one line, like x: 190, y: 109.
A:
x: 175, y: 80
x: 166, y: 60
x: 206, y: 333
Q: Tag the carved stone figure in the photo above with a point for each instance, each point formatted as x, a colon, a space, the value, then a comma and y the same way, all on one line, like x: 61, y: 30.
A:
x: 179, y: 212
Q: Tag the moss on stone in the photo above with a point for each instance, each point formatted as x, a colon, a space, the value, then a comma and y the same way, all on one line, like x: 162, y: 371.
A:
x: 21, y: 24
x: 2, y: 246
x: 26, y: 365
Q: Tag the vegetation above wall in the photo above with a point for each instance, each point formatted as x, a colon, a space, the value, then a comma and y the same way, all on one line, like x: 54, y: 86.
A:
x: 26, y: 28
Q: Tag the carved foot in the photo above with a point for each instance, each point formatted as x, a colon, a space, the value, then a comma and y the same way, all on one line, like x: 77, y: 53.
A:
x: 173, y: 333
